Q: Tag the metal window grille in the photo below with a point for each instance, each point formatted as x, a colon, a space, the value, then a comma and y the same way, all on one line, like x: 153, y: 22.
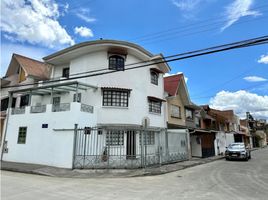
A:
x: 116, y: 63
x: 154, y: 106
x: 114, y: 138
x: 154, y: 78
x: 77, y: 98
x: 149, y: 138
x: 22, y: 135
x: 115, y: 98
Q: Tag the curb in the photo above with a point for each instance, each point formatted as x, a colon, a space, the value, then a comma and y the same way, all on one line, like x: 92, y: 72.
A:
x: 144, y: 172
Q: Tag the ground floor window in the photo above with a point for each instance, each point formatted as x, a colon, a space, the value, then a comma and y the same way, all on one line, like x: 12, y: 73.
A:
x: 22, y: 135
x: 149, y: 138
x: 114, y: 138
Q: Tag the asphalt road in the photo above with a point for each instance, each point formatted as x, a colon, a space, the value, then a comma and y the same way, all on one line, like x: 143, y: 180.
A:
x: 228, y: 180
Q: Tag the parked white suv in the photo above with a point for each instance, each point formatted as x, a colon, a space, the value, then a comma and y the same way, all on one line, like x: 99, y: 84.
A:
x: 237, y: 151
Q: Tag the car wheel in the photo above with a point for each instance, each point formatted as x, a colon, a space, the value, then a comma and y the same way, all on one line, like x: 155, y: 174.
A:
x: 246, y: 158
x: 226, y: 158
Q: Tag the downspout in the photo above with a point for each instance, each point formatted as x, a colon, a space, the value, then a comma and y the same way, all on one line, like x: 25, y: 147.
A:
x: 10, y: 94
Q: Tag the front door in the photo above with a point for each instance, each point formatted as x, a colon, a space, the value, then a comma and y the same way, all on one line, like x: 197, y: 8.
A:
x: 131, y: 144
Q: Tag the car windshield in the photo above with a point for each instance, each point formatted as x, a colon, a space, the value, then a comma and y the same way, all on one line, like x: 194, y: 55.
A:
x: 236, y: 146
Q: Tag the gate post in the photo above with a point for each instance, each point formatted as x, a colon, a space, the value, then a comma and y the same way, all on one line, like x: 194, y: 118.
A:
x: 74, y: 144
x: 142, y: 147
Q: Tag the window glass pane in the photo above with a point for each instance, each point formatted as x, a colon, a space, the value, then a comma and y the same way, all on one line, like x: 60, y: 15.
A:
x: 114, y: 138
x: 24, y: 100
x: 65, y: 72
x: 116, y: 63
x: 22, y: 135
x: 175, y: 111
x: 154, y: 106
x: 189, y: 114
x: 115, y: 98
x: 154, y: 78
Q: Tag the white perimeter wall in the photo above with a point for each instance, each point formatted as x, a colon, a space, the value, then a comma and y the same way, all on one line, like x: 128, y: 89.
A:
x: 45, y: 145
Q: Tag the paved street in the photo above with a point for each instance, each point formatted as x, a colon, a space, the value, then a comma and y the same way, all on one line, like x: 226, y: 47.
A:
x: 216, y: 180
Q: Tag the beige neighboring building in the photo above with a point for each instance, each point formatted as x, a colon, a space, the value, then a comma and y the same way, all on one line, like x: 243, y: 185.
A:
x: 21, y: 70
x: 181, y: 111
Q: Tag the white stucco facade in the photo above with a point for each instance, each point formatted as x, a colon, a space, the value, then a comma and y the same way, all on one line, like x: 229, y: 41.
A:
x: 51, y: 146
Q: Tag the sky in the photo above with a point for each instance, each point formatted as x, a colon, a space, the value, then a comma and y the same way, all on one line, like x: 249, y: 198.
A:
x: 236, y: 79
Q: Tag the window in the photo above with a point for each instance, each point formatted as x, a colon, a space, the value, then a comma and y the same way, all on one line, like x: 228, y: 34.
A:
x: 115, y: 98
x: 154, y: 106
x: 149, y: 138
x: 22, y: 135
x: 175, y: 111
x: 154, y: 77
x: 116, y: 63
x: 4, y: 104
x: 66, y: 72
x: 24, y: 100
x: 78, y: 99
x: 114, y: 138
x: 189, y: 114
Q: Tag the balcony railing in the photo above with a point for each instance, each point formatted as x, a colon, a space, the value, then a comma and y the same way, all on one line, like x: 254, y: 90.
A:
x: 61, y: 107
x: 86, y: 108
x: 17, y: 111
x: 38, y: 109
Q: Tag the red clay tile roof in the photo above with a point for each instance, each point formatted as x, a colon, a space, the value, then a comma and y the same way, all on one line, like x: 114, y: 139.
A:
x: 171, y: 83
x: 33, y: 67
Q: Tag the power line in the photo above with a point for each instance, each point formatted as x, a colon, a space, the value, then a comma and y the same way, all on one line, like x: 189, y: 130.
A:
x: 246, y: 88
x: 241, y: 44
x: 187, y: 34
x: 172, y: 56
x: 200, y: 24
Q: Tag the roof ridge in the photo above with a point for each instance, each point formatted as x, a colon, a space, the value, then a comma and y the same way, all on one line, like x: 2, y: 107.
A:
x: 15, y: 54
x: 181, y: 74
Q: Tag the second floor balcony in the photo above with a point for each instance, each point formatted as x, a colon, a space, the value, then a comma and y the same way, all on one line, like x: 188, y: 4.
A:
x: 64, y: 97
x: 50, y: 108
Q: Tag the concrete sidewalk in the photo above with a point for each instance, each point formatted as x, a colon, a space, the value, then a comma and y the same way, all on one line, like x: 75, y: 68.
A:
x: 103, y: 173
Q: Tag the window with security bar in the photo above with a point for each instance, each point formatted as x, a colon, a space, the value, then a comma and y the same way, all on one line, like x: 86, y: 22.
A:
x: 154, y: 106
x: 149, y: 138
x: 116, y: 63
x: 115, y: 98
x: 115, y: 138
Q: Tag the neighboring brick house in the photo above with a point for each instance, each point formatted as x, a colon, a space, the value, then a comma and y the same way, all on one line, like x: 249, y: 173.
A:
x: 180, y: 108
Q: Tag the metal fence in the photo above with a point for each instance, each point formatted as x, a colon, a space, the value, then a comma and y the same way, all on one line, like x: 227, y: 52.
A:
x: 103, y: 148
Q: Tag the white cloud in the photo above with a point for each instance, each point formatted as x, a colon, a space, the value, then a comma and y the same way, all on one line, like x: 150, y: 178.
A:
x: 186, y: 5
x: 263, y: 59
x: 8, y: 49
x: 83, y: 13
x: 238, y: 9
x: 241, y: 102
x: 254, y: 79
x: 168, y: 74
x: 35, y: 22
x: 83, y: 31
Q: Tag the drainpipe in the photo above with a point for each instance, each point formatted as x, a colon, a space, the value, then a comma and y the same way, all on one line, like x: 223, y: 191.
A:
x: 10, y: 94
